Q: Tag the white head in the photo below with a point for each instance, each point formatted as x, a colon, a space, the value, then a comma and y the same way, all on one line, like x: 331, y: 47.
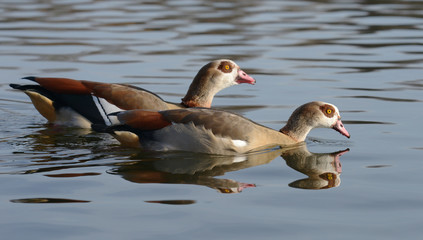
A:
x: 313, y: 115
x: 212, y: 78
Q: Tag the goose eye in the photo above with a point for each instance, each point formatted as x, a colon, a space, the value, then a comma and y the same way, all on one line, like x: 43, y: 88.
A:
x: 225, y: 67
x: 226, y: 190
x: 328, y: 110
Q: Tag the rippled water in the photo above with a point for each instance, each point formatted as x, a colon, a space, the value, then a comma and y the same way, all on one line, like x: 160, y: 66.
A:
x: 364, y: 56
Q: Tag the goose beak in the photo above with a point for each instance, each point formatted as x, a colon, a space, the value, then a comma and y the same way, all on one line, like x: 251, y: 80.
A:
x: 244, y: 78
x: 338, y: 126
x: 337, y: 162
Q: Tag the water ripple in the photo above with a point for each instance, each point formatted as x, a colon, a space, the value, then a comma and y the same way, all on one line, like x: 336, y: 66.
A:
x: 364, y: 56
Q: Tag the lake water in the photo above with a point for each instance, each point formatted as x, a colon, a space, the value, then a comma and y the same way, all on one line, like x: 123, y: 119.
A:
x: 364, y: 56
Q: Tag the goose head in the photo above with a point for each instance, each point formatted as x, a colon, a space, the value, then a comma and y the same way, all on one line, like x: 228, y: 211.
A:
x: 313, y: 115
x: 212, y: 78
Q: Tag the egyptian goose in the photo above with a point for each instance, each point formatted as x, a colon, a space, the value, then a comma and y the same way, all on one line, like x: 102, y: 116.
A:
x: 217, y: 131
x: 71, y: 102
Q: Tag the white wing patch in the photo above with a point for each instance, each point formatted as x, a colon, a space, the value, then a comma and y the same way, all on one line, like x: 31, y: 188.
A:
x: 105, y: 108
x: 239, y: 143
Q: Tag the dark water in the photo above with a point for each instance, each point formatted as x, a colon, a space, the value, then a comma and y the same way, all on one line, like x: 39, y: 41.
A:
x: 364, y: 56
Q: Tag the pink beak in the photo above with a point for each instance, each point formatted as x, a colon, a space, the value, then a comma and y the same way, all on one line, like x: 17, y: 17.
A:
x: 244, y: 78
x: 338, y: 126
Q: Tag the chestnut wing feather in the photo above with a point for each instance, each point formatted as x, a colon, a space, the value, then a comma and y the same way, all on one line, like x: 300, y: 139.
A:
x: 61, y: 85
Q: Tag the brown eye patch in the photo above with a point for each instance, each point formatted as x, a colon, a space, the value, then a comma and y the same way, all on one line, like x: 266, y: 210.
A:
x: 328, y: 110
x: 226, y: 67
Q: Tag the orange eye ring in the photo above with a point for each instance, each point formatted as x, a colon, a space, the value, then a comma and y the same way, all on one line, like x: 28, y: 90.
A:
x: 227, y: 67
x: 328, y: 111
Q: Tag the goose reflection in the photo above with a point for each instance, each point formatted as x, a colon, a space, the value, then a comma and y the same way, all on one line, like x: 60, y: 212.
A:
x: 323, y: 169
x: 198, y: 169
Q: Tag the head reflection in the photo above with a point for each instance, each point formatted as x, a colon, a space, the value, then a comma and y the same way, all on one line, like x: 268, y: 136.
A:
x: 323, y: 169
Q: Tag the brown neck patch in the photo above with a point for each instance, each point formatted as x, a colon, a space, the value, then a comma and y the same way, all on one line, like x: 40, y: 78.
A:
x: 192, y: 103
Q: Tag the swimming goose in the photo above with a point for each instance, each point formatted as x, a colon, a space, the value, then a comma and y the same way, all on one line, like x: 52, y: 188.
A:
x: 71, y: 102
x: 217, y: 131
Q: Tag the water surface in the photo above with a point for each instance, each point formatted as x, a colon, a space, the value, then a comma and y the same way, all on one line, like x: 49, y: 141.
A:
x: 364, y: 56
